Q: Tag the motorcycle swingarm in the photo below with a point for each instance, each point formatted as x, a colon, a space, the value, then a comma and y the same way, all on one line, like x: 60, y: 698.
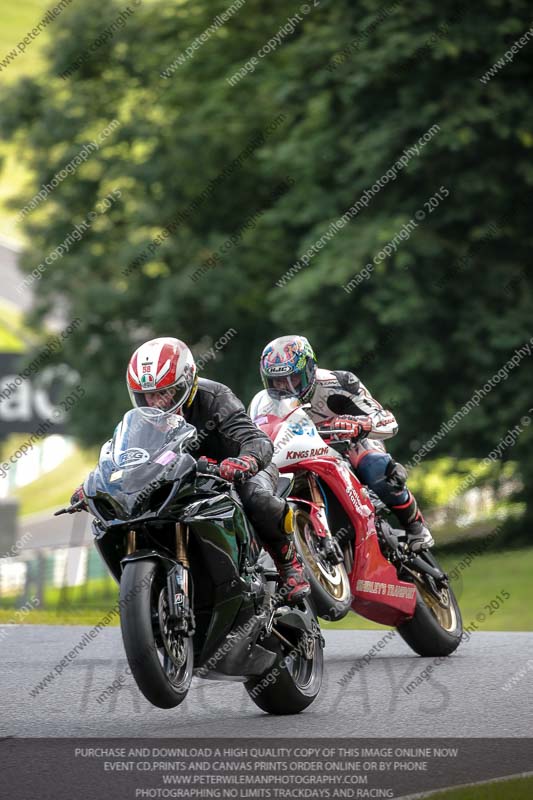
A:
x: 408, y: 560
x: 299, y: 620
x: 240, y: 654
x: 245, y: 662
x: 306, y: 628
x: 422, y: 566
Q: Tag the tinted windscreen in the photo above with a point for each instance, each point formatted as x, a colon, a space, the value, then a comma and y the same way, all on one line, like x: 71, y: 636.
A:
x: 273, y: 404
x: 149, y: 435
x: 148, y: 452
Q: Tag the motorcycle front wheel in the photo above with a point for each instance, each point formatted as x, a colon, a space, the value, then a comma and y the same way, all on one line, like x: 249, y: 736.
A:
x: 330, y: 585
x: 161, y: 661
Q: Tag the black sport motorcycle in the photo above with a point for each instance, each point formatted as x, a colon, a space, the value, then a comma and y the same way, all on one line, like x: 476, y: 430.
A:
x: 197, y: 594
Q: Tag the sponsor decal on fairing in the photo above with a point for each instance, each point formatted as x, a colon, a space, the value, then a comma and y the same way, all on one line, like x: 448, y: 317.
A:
x: 387, y: 589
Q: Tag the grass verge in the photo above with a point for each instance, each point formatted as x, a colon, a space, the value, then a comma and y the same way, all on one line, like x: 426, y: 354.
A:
x: 514, y: 789
x: 486, y: 577
x: 479, y: 583
x: 75, y: 616
x: 53, y: 489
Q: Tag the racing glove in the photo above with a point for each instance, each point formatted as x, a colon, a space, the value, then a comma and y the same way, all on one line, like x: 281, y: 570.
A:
x: 79, y: 497
x: 238, y: 468
x: 348, y: 427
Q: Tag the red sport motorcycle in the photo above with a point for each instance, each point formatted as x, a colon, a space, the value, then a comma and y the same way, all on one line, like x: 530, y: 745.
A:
x: 355, y: 559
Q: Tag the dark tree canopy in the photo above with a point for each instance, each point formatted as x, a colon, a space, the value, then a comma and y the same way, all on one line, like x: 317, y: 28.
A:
x: 273, y: 161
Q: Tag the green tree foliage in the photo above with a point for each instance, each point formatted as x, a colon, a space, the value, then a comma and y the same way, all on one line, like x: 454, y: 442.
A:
x: 357, y: 84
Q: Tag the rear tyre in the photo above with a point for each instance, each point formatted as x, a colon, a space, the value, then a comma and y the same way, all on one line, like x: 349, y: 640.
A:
x: 330, y: 585
x: 160, y: 660
x: 293, y: 682
x: 436, y: 628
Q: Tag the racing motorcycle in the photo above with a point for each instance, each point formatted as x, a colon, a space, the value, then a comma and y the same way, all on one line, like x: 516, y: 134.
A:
x: 197, y: 594
x: 354, y: 558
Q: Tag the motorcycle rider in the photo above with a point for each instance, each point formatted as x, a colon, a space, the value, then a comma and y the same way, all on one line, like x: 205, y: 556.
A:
x: 162, y: 373
x: 338, y: 399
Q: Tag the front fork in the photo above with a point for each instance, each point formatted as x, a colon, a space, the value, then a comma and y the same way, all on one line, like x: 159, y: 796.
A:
x: 179, y: 587
x: 329, y: 545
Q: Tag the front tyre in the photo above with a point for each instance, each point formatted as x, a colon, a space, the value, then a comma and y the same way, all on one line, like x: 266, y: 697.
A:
x: 160, y: 660
x: 295, y: 679
x: 330, y: 585
x: 436, y: 628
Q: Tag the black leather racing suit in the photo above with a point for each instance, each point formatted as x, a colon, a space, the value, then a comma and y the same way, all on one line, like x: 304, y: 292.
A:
x: 225, y: 430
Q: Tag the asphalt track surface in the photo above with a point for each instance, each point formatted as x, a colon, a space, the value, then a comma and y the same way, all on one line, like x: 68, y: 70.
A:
x: 463, y: 696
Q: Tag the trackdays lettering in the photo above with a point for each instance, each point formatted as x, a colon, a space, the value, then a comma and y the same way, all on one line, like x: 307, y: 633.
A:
x: 388, y: 589
x: 315, y: 451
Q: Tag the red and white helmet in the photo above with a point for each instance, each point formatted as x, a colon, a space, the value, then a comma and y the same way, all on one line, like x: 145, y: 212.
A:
x: 162, y: 373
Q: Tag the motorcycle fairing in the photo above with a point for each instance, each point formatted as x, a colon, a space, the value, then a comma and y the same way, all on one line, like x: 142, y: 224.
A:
x: 377, y: 592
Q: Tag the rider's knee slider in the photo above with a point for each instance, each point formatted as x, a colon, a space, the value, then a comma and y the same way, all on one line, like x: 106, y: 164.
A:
x: 396, y: 475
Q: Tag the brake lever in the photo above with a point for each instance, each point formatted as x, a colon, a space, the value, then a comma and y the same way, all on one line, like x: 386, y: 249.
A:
x: 240, y: 477
x: 207, y: 469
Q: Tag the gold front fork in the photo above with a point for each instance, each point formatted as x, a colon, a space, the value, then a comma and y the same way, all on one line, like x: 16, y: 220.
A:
x: 182, y: 539
x: 316, y: 495
x: 132, y: 542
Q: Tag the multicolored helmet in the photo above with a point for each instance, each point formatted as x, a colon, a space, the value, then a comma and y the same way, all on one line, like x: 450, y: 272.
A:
x: 288, y: 367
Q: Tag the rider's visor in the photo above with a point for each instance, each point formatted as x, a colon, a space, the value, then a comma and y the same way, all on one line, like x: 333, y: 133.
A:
x: 167, y: 400
x: 291, y: 385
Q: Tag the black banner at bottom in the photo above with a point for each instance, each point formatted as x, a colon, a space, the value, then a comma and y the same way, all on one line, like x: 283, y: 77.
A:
x: 149, y: 769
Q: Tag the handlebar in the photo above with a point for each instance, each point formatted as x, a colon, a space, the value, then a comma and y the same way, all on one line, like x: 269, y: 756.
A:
x: 341, y: 445
x: 211, y: 468
x: 327, y: 433
x: 70, y: 509
x: 208, y: 468
x: 202, y: 468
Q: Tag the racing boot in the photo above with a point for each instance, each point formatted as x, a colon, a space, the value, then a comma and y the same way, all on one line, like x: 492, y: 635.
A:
x: 411, y: 519
x: 293, y: 585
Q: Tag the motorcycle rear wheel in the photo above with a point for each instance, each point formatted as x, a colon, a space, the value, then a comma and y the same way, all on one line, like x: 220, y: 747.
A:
x: 436, y: 629
x: 161, y: 661
x: 330, y: 585
x: 292, y: 683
